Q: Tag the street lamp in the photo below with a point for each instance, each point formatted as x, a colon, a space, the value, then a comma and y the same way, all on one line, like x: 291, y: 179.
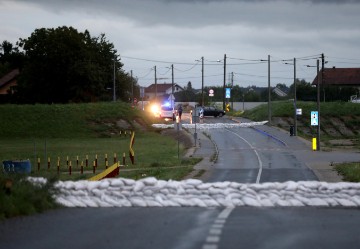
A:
x: 114, y: 93
x: 202, y: 80
x: 269, y: 89
x: 295, y: 114
x: 224, y: 81
x: 318, y: 102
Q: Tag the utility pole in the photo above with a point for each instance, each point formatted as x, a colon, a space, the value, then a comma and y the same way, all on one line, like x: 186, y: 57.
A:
x: 202, y: 81
x: 224, y: 82
x: 132, y: 87
x: 269, y: 92
x: 155, y: 84
x: 114, y: 92
x: 232, y: 85
x: 318, y: 95
x: 295, y: 116
x: 172, y: 86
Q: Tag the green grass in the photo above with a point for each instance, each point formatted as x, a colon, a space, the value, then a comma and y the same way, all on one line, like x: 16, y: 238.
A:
x: 75, y: 131
x: 61, y: 121
x: 79, y: 130
x: 286, y: 109
x: 19, y: 197
x: 349, y: 171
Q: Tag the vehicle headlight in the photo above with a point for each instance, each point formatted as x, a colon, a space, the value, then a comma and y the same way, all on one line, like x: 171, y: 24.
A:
x: 155, y: 108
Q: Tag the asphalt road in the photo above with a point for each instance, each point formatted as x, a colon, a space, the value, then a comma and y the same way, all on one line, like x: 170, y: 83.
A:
x: 245, y: 155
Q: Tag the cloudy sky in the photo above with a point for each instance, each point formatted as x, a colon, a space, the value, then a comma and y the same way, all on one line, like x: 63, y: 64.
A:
x: 149, y: 33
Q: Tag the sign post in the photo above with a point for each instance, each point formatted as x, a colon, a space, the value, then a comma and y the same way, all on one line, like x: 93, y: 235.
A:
x: 314, y: 122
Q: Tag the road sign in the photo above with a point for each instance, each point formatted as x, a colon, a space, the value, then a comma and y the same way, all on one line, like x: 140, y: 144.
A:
x: 314, y: 118
x: 142, y: 92
x: 299, y: 111
x: 227, y: 93
x: 211, y: 93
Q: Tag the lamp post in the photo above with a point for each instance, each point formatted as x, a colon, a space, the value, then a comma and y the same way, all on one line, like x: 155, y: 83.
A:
x: 319, y: 78
x: 114, y: 93
x: 295, y: 97
x: 202, y: 81
x: 155, y: 84
x: 269, y: 92
x: 224, y: 81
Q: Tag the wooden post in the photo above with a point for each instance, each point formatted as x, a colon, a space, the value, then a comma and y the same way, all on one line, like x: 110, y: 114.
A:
x: 82, y: 168
x: 106, y: 162
x: 48, y: 163
x: 38, y: 163
x: 124, y: 158
x: 70, y: 168
x: 58, y: 165
x: 115, y: 159
x: 87, y: 161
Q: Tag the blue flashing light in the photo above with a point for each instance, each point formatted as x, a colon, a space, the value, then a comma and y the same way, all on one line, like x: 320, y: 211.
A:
x: 167, y: 104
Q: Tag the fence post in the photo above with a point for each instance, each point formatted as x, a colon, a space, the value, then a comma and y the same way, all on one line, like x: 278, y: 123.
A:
x: 115, y: 159
x: 58, y: 165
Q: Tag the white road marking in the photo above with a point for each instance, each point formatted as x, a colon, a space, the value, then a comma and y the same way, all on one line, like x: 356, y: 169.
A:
x: 257, y: 154
x: 215, y: 231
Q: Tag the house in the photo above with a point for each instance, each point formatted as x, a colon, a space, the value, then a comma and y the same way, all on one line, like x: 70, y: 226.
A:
x: 8, y: 81
x: 161, y: 90
x: 339, y: 76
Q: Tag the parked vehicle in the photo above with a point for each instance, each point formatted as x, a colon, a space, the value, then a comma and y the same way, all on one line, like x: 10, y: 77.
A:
x: 210, y: 111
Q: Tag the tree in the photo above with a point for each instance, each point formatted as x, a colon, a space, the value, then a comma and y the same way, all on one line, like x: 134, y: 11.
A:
x: 64, y: 65
x: 10, y: 57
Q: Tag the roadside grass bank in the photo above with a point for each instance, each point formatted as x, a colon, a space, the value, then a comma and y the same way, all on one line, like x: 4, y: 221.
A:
x: 76, y: 133
x: 340, y: 121
x: 349, y: 171
x: 339, y: 124
x: 19, y: 197
x: 71, y: 134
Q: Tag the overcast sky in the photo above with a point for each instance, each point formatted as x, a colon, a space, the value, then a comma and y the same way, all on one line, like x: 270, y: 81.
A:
x: 148, y: 33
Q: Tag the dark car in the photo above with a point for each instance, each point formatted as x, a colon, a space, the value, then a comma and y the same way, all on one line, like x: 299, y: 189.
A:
x: 211, y: 111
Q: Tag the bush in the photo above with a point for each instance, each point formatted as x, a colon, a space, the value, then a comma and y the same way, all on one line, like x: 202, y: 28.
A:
x: 20, y: 197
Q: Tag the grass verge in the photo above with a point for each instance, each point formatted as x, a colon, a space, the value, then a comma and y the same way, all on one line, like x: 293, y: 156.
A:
x: 70, y: 134
x: 349, y: 171
x: 19, y: 197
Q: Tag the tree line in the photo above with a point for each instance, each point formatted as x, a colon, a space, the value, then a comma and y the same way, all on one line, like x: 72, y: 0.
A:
x: 63, y: 65
x: 305, y: 91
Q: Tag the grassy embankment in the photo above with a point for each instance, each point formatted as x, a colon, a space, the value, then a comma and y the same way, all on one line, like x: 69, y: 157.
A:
x: 340, y: 127
x: 76, y: 131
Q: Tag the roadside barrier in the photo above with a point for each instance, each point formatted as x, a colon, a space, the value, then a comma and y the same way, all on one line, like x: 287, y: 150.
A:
x: 78, y: 163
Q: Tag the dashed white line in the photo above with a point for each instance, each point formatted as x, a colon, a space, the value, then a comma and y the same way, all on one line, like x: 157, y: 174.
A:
x: 215, y: 231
